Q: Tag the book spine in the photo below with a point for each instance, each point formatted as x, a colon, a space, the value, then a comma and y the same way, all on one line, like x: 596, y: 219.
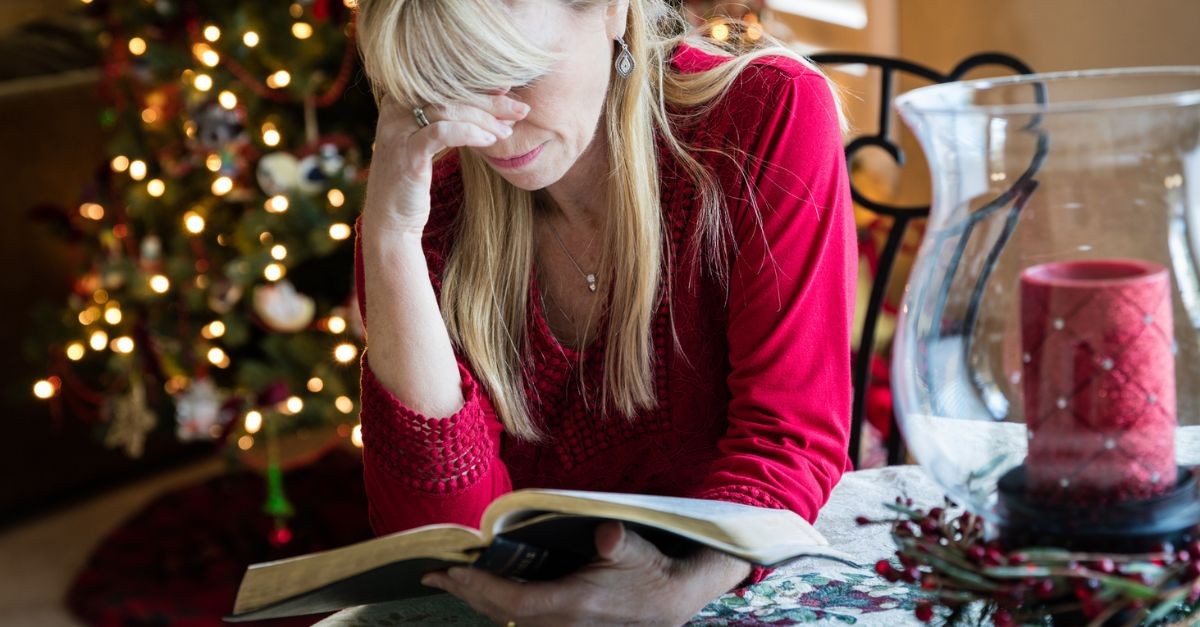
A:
x: 509, y: 558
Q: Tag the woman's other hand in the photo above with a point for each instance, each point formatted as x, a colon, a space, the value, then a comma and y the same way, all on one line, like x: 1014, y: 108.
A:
x: 402, y: 163
x: 630, y: 583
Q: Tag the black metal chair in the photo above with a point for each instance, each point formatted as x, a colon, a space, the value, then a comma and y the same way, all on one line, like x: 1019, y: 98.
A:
x: 902, y: 216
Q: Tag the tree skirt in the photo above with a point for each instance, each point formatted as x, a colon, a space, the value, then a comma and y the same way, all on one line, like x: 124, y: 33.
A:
x: 180, y: 559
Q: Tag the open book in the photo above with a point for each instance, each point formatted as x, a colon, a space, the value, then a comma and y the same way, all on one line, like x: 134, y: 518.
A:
x: 527, y: 534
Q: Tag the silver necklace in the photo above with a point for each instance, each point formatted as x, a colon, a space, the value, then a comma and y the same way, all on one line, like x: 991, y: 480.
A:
x: 590, y: 277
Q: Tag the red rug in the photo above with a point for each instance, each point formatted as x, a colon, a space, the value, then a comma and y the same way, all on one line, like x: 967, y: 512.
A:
x: 180, y: 559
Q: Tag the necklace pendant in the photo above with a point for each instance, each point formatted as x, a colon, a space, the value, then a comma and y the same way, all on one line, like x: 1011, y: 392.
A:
x: 591, y: 280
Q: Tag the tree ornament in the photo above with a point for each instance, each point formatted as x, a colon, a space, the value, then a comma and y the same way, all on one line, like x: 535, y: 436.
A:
x: 223, y: 295
x: 278, y: 173
x: 217, y: 127
x: 198, y: 411
x: 282, y: 308
x: 312, y: 177
x: 130, y: 419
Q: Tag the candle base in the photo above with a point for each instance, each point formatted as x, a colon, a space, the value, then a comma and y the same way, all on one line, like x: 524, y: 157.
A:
x: 1127, y: 527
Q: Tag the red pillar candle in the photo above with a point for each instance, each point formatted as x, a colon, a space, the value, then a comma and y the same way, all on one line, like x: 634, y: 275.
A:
x: 1099, y: 380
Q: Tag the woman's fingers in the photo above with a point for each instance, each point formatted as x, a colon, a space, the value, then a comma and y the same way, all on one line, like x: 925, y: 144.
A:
x: 443, y: 134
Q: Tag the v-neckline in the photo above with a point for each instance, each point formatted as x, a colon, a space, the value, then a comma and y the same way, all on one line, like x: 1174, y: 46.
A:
x: 543, y: 325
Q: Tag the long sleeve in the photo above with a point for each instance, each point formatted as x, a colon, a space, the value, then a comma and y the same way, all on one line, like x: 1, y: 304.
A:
x: 420, y: 470
x: 791, y: 297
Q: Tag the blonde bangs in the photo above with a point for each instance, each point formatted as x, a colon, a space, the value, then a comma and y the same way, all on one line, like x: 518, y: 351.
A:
x: 425, y: 52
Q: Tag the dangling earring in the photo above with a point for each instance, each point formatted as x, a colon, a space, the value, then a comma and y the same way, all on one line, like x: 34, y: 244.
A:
x: 624, y: 63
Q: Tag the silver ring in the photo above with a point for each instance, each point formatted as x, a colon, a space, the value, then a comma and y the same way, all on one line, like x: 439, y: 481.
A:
x: 419, y: 113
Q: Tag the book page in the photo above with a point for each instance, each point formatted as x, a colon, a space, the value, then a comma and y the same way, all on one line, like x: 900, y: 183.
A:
x: 270, y: 582
x: 760, y: 535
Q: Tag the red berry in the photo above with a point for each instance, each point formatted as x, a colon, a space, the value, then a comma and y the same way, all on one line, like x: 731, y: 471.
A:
x: 862, y: 520
x: 929, y: 526
x: 977, y: 553
x: 1003, y: 619
x: 924, y: 612
x: 994, y: 557
x: 1044, y: 588
x: 936, y: 512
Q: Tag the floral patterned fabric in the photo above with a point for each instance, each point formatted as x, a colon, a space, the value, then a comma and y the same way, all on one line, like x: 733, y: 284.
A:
x: 808, y: 591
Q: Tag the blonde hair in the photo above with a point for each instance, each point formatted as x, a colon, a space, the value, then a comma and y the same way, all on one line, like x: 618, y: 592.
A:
x: 434, y: 52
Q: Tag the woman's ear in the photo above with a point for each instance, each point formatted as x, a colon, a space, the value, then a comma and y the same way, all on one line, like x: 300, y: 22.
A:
x: 616, y: 17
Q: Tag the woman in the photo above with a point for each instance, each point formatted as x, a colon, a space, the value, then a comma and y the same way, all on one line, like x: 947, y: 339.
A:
x: 594, y: 257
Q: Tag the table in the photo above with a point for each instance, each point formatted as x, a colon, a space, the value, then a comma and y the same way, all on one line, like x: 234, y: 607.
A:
x: 809, y: 591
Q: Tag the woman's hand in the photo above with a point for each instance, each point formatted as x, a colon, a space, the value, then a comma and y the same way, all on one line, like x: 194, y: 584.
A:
x: 401, y: 166
x: 630, y: 583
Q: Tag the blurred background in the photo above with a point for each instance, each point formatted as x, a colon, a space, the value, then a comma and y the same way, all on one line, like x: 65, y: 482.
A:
x: 181, y: 177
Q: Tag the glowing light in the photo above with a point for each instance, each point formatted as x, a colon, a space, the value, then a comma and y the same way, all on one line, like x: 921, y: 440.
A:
x: 160, y: 284
x: 217, y: 357
x: 227, y: 99
x: 344, y: 404
x: 206, y: 54
x: 337, y: 324
x: 100, y: 296
x: 264, y: 238
x: 350, y: 4
x: 250, y: 39
x: 274, y: 272
x: 278, y: 252
x: 156, y: 187
x: 149, y: 116
x: 253, y: 421
x: 113, y: 316
x: 356, y: 436
x: 193, y: 222
x: 120, y: 163
x: 98, y: 340
x: 339, y: 231
x: 89, y: 315
x: 271, y: 136
x: 214, y: 329
x: 345, y: 352
x: 279, y: 79
x: 315, y: 385
x: 277, y: 204
x: 294, y: 404
x: 202, y: 82
x: 245, y: 442
x: 91, y: 211
x: 302, y: 30
x: 137, y: 46
x: 719, y: 32
x: 222, y: 185
x: 44, y: 389
x: 123, y: 345
x: 212, y: 33
x: 137, y: 170
x: 213, y: 162
x: 75, y: 351
x: 754, y: 32
x: 336, y: 197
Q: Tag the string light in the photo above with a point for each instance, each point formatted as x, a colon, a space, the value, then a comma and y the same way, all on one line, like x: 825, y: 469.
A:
x: 253, y: 421
x: 120, y: 163
x: 214, y: 329
x: 296, y: 10
x: 264, y: 238
x: 175, y: 384
x: 44, y: 389
x: 294, y: 404
x: 123, y: 345
x: 279, y: 79
x: 270, y: 134
x: 217, y: 357
x: 206, y: 54
x: 278, y: 252
x: 193, y: 222
x: 302, y: 30
x: 344, y: 404
x: 227, y: 99
x: 156, y: 187
x: 277, y: 204
x: 113, y: 316
x: 336, y: 197
x: 212, y: 33
x: 350, y: 4
x: 91, y: 211
x: 160, y: 284
x: 213, y: 162
x: 75, y: 351
x: 356, y: 436
x: 137, y: 46
x: 339, y: 231
x: 222, y: 185
x: 245, y: 442
x: 337, y: 324
x: 345, y: 352
x: 149, y: 116
x: 89, y: 315
x: 98, y: 340
x: 273, y: 272
x: 315, y: 385
x: 100, y: 296
x: 250, y: 38
x: 137, y: 170
x: 203, y: 82
x: 720, y: 32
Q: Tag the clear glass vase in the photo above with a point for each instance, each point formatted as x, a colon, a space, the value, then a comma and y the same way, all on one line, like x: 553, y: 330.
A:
x: 1047, y: 359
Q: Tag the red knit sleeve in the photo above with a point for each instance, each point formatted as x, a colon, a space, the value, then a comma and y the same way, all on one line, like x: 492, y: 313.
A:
x: 420, y: 470
x: 791, y: 296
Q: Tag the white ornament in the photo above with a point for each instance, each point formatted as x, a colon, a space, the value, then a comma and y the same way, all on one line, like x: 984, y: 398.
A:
x: 282, y: 308
x: 278, y: 173
x: 198, y: 411
x: 312, y: 178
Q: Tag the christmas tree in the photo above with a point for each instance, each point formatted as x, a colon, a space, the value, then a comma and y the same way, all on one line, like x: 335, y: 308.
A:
x: 216, y: 299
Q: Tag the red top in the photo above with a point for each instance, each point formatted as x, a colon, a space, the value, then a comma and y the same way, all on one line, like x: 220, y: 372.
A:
x: 759, y: 410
